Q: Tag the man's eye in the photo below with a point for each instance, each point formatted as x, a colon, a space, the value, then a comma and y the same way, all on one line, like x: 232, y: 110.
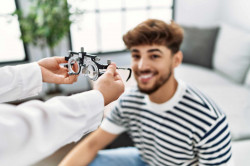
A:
x: 135, y: 56
x: 155, y: 56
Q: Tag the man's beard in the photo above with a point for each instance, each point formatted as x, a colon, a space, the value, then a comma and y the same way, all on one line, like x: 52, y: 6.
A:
x: 157, y: 85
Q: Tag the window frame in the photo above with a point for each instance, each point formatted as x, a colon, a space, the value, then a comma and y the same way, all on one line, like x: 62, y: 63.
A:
x: 97, y: 11
x: 26, y: 58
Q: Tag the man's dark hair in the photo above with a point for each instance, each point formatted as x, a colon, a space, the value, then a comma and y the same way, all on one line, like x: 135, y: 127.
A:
x: 153, y: 31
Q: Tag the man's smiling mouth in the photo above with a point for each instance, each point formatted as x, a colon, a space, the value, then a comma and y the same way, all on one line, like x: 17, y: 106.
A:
x: 145, y: 77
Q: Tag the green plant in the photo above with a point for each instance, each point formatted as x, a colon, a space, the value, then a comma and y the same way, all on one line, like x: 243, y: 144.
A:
x: 46, y: 23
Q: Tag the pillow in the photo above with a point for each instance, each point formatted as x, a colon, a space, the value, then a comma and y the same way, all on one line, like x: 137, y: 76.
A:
x: 198, y: 45
x: 232, y: 53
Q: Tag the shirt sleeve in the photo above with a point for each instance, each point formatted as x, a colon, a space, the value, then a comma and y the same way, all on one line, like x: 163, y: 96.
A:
x: 35, y: 129
x: 215, y: 146
x: 114, y: 123
x: 20, y: 81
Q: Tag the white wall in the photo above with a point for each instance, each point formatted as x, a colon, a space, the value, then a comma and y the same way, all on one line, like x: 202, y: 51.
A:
x: 197, y: 12
x: 236, y: 12
x: 213, y: 12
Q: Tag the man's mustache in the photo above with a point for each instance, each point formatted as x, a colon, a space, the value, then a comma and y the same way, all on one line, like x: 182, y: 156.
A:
x: 145, y: 72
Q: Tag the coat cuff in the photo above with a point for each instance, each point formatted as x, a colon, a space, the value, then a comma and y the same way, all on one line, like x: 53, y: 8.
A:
x: 31, y: 79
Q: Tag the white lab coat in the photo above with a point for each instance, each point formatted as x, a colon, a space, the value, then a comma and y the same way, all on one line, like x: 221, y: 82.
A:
x: 35, y: 129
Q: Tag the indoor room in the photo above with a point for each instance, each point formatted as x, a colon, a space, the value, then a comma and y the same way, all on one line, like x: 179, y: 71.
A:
x: 212, y: 55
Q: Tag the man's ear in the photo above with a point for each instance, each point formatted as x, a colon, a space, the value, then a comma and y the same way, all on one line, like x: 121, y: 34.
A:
x: 177, y: 59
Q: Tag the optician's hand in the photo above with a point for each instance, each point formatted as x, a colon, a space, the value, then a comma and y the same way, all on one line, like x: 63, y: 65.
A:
x: 52, y: 72
x: 110, y: 84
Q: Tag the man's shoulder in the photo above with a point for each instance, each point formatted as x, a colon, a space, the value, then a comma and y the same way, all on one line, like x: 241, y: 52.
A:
x: 197, y: 100
x: 201, y: 112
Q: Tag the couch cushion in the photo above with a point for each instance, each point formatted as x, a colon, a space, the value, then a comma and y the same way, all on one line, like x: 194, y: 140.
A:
x: 198, y: 45
x: 247, y: 80
x: 241, y: 151
x: 232, y: 98
x: 232, y: 53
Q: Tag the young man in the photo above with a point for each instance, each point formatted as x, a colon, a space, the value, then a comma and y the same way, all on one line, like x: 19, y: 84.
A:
x: 170, y: 122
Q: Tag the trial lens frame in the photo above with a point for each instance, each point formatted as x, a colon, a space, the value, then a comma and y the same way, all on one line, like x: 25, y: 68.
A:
x: 87, y: 64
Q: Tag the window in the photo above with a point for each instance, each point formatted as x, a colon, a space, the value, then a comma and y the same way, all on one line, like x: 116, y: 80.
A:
x: 103, y: 23
x: 11, y: 46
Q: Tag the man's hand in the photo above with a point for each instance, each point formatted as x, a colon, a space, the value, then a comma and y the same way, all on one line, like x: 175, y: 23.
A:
x: 110, y: 84
x: 52, y: 72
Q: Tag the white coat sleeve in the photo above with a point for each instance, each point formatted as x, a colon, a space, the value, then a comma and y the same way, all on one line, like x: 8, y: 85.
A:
x: 35, y: 129
x: 21, y: 81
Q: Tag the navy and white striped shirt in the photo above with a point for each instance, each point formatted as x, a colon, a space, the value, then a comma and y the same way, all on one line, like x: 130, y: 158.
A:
x: 189, y: 129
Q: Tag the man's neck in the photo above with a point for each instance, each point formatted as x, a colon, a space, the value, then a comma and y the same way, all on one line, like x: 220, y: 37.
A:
x: 165, y: 92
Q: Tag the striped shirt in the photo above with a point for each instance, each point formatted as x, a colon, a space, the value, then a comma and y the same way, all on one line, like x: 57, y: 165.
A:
x: 189, y: 129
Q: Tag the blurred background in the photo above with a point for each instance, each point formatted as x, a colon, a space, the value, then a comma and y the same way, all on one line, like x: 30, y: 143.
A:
x: 35, y: 29
x: 98, y: 25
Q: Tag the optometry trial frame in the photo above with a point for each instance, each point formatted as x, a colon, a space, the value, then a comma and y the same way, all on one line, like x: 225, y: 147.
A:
x: 88, y: 65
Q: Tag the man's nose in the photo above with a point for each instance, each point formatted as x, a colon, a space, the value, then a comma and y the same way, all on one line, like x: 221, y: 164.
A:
x: 143, y: 64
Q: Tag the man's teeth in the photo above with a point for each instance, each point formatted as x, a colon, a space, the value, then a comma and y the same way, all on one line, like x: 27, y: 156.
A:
x: 146, y: 76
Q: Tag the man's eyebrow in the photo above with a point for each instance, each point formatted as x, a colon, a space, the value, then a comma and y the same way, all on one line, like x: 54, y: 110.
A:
x: 135, y: 50
x: 153, y: 50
